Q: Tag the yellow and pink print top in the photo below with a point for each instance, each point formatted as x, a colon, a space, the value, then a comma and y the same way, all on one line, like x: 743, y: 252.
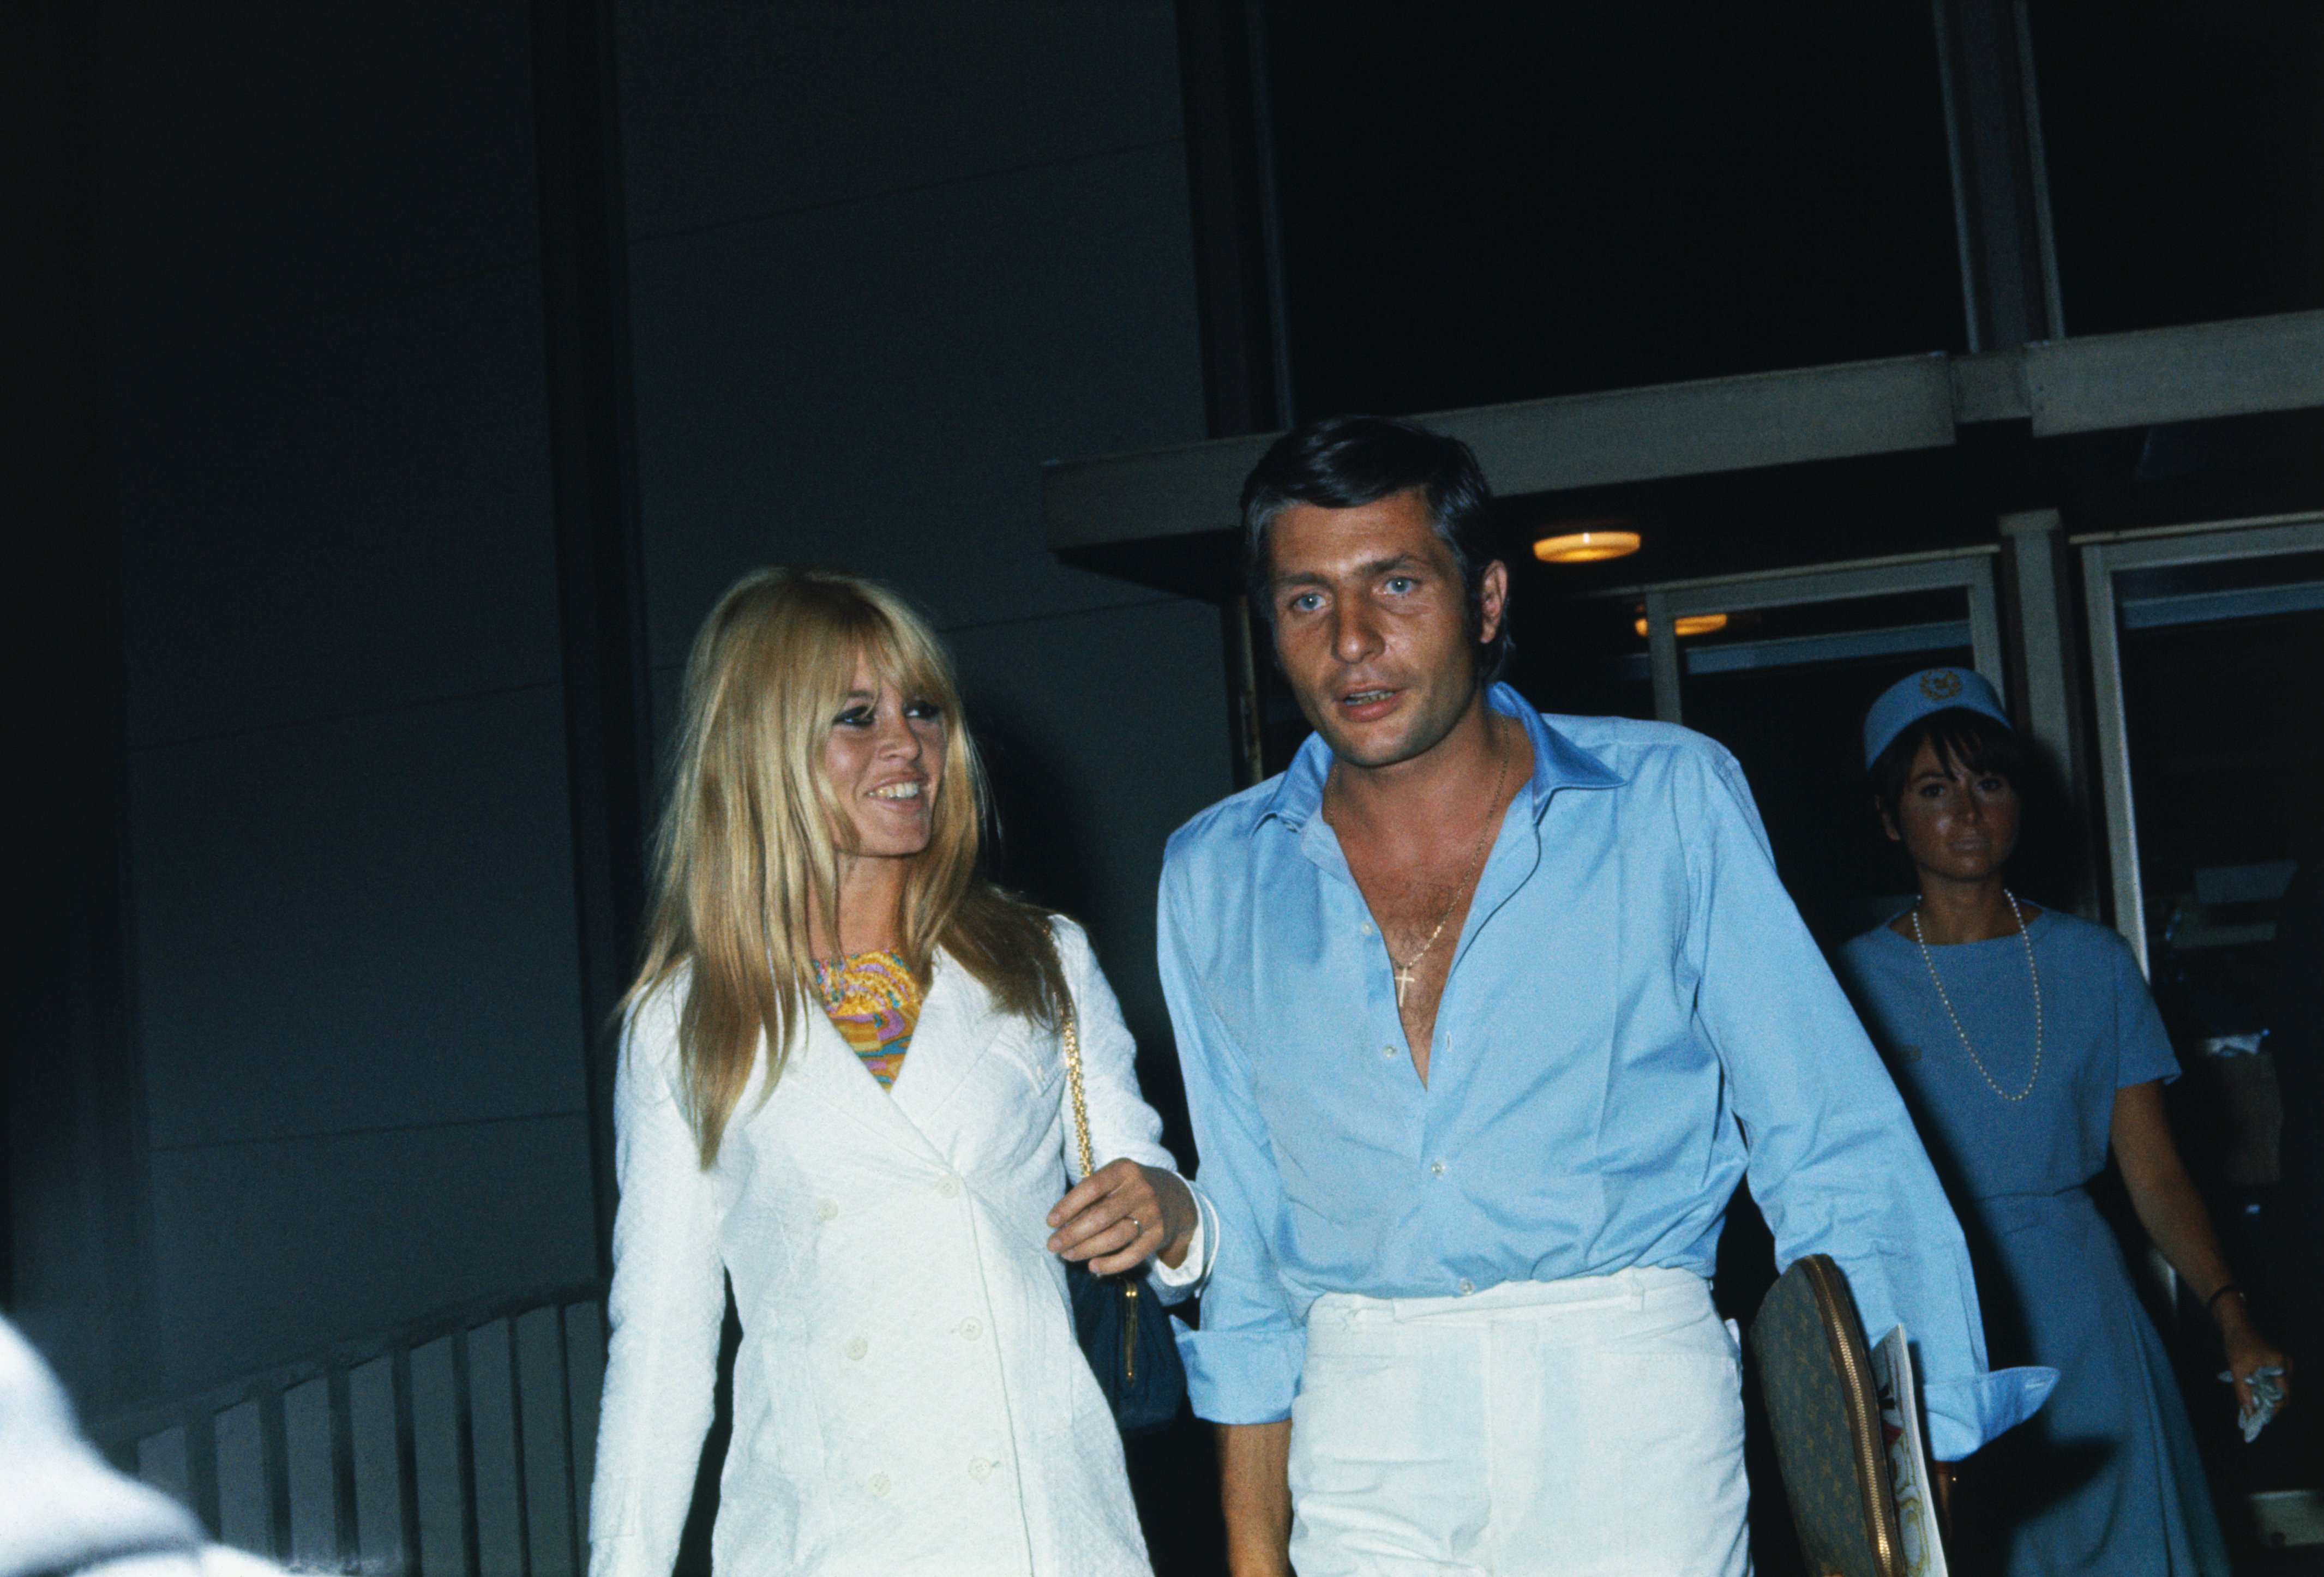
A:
x: 874, y: 1002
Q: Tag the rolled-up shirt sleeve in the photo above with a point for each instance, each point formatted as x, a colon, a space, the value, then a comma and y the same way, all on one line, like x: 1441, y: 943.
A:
x: 1242, y: 1366
x: 1834, y: 1162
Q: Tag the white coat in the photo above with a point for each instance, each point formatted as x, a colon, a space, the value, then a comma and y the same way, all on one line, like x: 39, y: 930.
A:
x: 909, y: 1395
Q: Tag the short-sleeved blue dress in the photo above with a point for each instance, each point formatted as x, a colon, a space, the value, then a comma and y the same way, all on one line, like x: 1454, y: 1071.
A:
x: 2106, y: 1477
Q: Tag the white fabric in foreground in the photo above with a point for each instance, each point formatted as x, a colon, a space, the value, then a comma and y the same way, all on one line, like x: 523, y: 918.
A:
x: 1584, y: 1428
x: 64, y: 1510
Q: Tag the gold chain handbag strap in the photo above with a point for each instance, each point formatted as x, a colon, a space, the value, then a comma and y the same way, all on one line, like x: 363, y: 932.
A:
x: 1128, y: 1284
x: 1074, y: 1082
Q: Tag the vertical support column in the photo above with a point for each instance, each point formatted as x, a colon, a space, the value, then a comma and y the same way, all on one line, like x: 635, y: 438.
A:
x: 600, y: 557
x: 1238, y: 289
x: 2113, y: 752
x: 2046, y: 684
x: 2045, y: 691
x: 1662, y: 658
x: 1230, y: 185
x: 1244, y: 697
x: 2001, y: 192
x: 1985, y: 638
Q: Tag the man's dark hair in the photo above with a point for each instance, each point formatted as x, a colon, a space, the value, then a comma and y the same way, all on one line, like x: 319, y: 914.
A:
x: 1344, y: 462
x: 1970, y: 740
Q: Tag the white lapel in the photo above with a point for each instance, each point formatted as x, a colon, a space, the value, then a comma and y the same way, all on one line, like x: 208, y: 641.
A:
x: 957, y: 1029
x: 825, y: 1066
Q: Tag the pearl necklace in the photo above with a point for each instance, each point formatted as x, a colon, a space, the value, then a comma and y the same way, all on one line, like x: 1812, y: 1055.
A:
x: 1934, y: 979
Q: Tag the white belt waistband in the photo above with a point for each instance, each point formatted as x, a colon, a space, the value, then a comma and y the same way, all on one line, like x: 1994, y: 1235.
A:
x: 1633, y: 1287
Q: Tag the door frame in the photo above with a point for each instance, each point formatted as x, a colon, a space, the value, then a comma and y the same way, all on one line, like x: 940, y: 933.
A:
x: 2105, y: 554
x: 1667, y: 601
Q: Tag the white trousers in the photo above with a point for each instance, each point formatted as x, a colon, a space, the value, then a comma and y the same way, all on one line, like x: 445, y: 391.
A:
x: 1586, y: 1427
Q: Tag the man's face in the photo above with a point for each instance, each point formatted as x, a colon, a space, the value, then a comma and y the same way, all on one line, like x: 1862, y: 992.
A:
x: 1370, y: 625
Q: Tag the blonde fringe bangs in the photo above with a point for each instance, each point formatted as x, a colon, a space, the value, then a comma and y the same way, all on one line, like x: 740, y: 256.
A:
x: 749, y: 840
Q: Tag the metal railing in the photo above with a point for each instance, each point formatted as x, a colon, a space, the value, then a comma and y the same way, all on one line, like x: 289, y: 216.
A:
x: 459, y: 1446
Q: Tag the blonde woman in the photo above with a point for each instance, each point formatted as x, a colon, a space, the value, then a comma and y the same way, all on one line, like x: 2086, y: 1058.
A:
x: 842, y: 1087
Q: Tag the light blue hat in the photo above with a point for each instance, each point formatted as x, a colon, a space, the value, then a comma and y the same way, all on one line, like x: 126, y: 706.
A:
x: 1915, y: 696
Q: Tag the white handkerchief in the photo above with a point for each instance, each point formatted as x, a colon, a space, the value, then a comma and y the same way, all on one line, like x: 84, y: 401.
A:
x: 2267, y: 1395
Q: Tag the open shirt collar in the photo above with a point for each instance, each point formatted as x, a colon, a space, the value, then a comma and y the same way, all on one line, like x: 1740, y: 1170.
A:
x: 1557, y: 763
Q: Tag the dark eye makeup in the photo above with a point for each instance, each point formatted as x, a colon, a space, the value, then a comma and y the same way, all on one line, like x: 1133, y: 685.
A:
x: 863, y: 716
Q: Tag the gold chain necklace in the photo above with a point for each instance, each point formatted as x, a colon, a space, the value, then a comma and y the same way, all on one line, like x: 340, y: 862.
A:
x: 2024, y: 935
x: 1403, y: 975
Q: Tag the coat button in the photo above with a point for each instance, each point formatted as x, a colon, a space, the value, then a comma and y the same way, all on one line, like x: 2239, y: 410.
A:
x: 949, y: 1189
x: 972, y: 1328
x: 857, y: 1347
x: 879, y: 1484
x: 979, y: 1469
x: 826, y: 1209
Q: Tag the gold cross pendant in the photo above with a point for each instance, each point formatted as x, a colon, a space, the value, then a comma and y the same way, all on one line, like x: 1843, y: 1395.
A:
x: 1403, y: 981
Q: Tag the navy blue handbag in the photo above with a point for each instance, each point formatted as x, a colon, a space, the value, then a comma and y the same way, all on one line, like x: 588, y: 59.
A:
x: 1122, y: 1327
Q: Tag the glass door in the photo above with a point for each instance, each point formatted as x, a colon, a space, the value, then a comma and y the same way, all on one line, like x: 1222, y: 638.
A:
x: 2206, y: 648
x: 2206, y: 653
x: 1780, y: 667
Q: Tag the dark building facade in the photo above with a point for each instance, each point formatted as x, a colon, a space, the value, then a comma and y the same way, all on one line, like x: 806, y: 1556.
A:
x: 394, y: 387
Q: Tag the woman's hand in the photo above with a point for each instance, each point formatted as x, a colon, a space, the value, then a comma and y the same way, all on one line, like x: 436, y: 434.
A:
x: 2249, y: 1351
x: 1121, y: 1216
x: 2172, y: 1214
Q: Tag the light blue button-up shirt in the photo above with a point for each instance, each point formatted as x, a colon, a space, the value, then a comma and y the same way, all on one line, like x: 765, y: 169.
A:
x: 1635, y: 1019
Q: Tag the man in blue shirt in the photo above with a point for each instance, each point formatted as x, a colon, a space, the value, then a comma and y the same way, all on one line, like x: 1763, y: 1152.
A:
x: 1482, y: 1015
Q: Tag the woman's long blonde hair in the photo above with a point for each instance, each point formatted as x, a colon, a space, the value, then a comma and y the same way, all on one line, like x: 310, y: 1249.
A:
x: 752, y: 834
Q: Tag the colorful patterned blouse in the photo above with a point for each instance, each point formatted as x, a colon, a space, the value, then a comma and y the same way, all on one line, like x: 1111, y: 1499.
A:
x: 874, y: 1002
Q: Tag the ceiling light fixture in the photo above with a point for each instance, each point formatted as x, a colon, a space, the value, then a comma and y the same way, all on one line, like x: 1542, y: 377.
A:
x: 1600, y: 539
x: 1690, y: 625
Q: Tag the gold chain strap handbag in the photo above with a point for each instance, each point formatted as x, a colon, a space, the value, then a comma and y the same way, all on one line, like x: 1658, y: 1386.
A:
x: 1119, y: 1319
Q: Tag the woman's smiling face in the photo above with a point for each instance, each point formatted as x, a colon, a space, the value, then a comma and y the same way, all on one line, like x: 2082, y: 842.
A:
x: 885, y: 756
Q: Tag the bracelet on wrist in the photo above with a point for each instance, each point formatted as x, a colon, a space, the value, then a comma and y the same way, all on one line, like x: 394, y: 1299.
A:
x: 2211, y: 1304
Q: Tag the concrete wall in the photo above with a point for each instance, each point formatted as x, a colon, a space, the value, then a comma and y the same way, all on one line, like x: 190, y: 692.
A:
x: 357, y: 999
x: 886, y: 257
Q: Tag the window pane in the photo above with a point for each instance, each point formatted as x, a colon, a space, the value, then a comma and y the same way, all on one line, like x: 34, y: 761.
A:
x: 2186, y: 156
x: 1487, y: 201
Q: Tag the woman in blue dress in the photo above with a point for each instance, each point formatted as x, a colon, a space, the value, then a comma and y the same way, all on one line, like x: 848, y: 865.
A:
x: 2025, y: 1043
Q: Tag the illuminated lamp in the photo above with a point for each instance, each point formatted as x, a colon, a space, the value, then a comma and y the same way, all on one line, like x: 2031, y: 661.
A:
x: 1603, y: 540
x: 1690, y: 625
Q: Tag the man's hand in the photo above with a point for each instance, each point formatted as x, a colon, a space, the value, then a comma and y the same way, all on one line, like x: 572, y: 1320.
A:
x: 1255, y: 1493
x: 1121, y: 1216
